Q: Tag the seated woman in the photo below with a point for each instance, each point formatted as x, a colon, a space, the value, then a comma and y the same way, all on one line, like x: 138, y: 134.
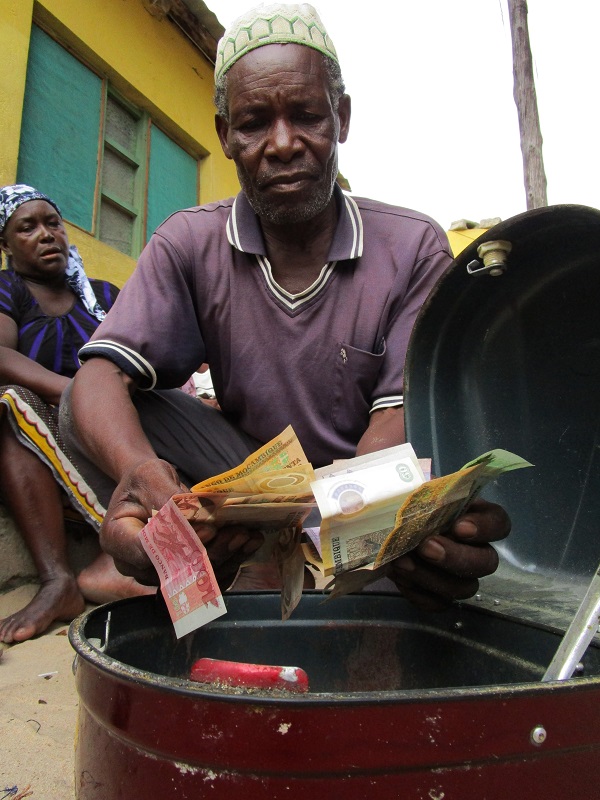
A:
x: 48, y: 310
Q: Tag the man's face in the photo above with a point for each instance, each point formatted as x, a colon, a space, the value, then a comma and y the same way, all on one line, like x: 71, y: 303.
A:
x: 283, y: 131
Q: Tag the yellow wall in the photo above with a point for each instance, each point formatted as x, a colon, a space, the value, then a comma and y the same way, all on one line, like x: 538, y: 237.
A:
x: 149, y: 61
x: 14, y: 47
x: 460, y: 239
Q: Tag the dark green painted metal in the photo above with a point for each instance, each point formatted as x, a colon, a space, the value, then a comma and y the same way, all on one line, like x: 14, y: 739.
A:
x: 514, y: 362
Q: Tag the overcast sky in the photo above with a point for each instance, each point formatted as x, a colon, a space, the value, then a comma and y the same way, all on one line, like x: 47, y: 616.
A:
x: 434, y: 124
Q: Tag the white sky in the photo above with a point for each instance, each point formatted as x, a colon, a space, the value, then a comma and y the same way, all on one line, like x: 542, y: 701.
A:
x: 434, y: 124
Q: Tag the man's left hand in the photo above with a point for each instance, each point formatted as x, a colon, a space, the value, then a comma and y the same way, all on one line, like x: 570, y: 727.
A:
x: 447, y: 567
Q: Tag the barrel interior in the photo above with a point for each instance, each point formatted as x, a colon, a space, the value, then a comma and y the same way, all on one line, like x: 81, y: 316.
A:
x: 374, y: 643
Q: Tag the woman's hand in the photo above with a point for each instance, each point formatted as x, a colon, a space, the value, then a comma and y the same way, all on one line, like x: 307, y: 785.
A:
x: 447, y: 567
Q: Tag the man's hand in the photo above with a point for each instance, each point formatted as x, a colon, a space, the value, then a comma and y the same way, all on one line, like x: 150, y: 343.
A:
x: 448, y: 567
x: 145, y: 488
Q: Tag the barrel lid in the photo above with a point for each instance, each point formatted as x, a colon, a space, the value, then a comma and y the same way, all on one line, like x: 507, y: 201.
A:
x: 512, y: 360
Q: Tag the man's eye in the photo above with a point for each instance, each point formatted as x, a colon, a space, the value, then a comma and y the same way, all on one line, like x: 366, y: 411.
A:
x: 306, y: 116
x: 250, y: 125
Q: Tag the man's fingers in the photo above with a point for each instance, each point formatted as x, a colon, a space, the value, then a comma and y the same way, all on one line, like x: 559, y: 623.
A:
x: 206, y: 533
x: 482, y: 522
x: 412, y: 574
x: 144, y: 489
x: 233, y: 543
x: 119, y: 537
x: 462, y: 560
x: 229, y: 549
x: 147, y: 576
x: 447, y: 568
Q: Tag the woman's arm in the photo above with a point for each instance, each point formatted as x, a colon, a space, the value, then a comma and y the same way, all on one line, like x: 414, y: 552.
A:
x: 19, y: 369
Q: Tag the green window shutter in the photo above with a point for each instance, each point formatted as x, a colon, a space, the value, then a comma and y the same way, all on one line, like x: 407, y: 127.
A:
x: 58, y: 152
x: 123, y: 182
x: 172, y: 179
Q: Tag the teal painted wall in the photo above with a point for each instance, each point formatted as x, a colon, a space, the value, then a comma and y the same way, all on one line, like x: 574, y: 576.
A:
x: 172, y: 179
x: 58, y: 151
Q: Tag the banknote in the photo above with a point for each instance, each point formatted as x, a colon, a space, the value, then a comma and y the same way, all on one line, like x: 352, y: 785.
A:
x: 270, y: 491
x: 289, y: 557
x: 436, y: 503
x: 283, y: 481
x: 429, y: 509
x: 347, y: 465
x: 263, y: 511
x: 187, y: 579
x: 354, y: 581
x: 359, y: 502
x: 283, y: 456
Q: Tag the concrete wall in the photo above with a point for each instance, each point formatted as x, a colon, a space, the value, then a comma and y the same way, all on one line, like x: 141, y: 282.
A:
x: 15, y: 562
x: 16, y: 566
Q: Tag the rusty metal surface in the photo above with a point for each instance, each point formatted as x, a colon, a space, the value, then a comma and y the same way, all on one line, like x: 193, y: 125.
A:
x: 406, y: 704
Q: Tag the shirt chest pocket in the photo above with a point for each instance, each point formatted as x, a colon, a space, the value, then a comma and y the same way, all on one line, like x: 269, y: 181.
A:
x: 354, y: 379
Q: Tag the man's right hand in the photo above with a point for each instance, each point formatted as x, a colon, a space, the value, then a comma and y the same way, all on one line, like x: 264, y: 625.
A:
x: 146, y: 488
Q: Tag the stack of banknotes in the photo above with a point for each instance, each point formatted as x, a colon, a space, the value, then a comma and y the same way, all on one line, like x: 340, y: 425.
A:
x: 372, y: 509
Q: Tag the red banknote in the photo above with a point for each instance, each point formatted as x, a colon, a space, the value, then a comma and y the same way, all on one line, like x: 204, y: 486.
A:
x: 187, y: 579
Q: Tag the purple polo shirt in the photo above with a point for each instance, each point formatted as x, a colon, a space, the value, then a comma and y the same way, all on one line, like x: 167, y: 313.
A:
x: 321, y: 360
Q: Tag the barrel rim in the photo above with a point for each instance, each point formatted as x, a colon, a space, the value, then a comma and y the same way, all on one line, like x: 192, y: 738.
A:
x: 115, y: 668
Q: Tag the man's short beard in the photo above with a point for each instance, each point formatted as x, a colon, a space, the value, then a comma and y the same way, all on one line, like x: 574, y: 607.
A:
x: 285, y: 215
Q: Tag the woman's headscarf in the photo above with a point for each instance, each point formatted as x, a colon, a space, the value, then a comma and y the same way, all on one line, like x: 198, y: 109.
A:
x: 11, y: 198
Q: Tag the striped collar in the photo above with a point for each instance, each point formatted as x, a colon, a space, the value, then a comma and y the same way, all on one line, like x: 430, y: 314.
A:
x: 245, y: 234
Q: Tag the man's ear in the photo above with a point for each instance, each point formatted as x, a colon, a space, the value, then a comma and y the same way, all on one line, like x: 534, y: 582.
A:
x: 344, y: 112
x: 222, y: 127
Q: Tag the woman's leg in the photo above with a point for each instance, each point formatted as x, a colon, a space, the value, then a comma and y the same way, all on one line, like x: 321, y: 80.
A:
x: 33, y: 497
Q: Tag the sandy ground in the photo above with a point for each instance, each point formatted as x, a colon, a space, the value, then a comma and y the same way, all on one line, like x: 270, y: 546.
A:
x: 38, y: 711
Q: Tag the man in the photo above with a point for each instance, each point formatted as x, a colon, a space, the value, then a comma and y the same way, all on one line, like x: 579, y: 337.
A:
x: 300, y: 299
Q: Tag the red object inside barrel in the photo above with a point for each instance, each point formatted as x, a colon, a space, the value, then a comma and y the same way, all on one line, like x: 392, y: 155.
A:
x: 250, y: 676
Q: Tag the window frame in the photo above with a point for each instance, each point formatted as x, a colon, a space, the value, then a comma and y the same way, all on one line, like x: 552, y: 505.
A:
x: 139, y: 210
x: 138, y: 159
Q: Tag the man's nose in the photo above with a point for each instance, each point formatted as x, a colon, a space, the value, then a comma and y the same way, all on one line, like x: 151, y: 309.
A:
x: 284, y: 142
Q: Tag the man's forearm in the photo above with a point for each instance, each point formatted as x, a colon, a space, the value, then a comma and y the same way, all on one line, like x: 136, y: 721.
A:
x: 386, y: 429
x: 106, y: 421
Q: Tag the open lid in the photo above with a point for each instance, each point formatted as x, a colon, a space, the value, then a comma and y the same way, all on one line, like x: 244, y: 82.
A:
x: 512, y: 360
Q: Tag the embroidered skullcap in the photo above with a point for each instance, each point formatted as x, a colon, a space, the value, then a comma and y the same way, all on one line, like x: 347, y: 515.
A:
x: 11, y: 197
x: 273, y: 24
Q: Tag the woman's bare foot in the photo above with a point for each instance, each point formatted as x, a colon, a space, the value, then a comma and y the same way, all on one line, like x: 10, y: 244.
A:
x: 102, y: 582
x: 59, y: 598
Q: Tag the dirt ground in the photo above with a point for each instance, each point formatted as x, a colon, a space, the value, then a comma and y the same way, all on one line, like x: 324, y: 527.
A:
x: 38, y: 711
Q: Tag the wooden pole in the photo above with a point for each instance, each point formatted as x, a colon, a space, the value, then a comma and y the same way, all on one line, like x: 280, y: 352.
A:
x: 526, y: 101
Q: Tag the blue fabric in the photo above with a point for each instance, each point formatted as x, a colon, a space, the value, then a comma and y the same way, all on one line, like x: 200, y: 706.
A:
x: 51, y: 341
